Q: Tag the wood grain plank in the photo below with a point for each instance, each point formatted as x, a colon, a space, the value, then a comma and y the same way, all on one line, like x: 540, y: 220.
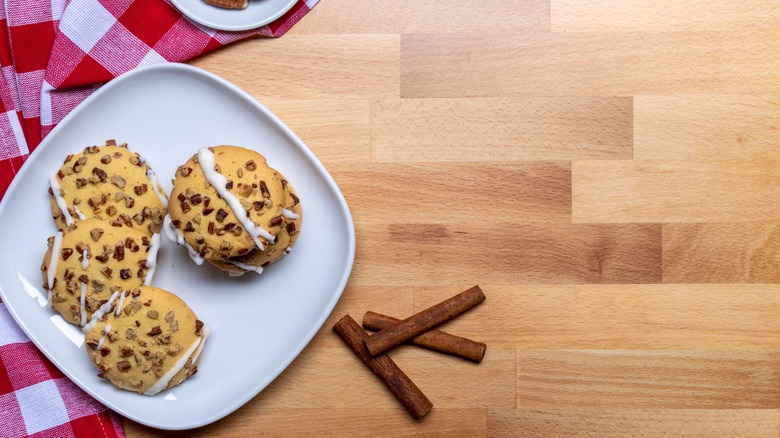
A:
x: 662, y: 379
x: 589, y: 64
x: 335, y: 378
x: 534, y: 128
x: 336, y: 130
x: 675, y: 191
x: 443, y: 192
x: 606, y: 423
x: 311, y: 66
x: 663, y: 16
x: 619, y: 316
x: 506, y: 252
x: 356, y: 301
x: 438, y: 16
x: 721, y: 253
x: 706, y: 127
x: 257, y: 420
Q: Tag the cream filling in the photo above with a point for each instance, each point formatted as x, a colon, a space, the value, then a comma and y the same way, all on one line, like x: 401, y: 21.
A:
x: 289, y: 214
x: 206, y: 332
x: 207, y: 162
x: 155, y: 186
x: 55, y: 189
x: 151, y: 259
x: 52, y: 269
x: 244, y: 266
x: 175, y: 235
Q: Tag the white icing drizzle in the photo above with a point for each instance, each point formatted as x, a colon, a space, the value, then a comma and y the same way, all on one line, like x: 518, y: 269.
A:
x: 155, y: 186
x: 289, y: 214
x: 83, y: 298
x: 78, y: 212
x: 151, y: 259
x: 175, y: 235
x: 83, y: 301
x: 244, y: 266
x: 55, y: 189
x: 106, y: 331
x: 121, y: 303
x: 52, y: 269
x: 105, y: 308
x: 207, y: 162
x: 166, y: 378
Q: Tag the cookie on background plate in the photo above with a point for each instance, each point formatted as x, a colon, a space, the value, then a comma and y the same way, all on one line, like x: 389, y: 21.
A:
x: 145, y: 340
x: 109, y: 182
x: 85, y: 264
x: 225, y: 202
x: 256, y: 260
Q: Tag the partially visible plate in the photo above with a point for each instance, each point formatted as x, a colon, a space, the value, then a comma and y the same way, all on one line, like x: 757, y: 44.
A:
x: 259, y: 323
x: 258, y: 13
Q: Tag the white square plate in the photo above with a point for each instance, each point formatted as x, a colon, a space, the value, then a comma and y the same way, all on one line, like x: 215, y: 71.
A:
x: 259, y: 323
x: 258, y: 13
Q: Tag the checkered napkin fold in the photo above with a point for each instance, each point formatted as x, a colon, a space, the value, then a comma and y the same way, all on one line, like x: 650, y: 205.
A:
x: 53, y: 54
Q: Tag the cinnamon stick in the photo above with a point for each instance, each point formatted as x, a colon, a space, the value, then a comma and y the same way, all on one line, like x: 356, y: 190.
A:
x: 432, y: 339
x: 229, y: 4
x: 388, y: 372
x: 421, y: 322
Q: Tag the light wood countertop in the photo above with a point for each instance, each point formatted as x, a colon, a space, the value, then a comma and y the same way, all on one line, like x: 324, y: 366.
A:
x: 607, y: 171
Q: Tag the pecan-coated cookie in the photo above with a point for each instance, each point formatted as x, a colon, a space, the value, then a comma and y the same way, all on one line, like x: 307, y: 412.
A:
x: 225, y: 202
x: 145, y: 340
x: 258, y: 259
x: 86, y: 263
x: 109, y: 182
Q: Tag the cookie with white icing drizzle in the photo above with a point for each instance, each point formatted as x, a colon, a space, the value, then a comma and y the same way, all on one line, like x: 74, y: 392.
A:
x: 147, y: 340
x: 225, y: 202
x: 257, y: 260
x: 85, y: 264
x: 109, y: 182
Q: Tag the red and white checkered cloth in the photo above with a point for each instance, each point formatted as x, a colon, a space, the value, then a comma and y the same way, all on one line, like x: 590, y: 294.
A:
x: 53, y: 54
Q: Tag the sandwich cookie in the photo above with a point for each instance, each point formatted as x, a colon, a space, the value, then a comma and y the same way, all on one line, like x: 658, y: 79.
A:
x: 111, y: 183
x: 145, y: 340
x: 225, y: 202
x: 85, y: 264
x: 256, y: 260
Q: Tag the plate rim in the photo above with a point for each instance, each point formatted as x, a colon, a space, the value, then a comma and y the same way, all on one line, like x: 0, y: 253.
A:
x: 233, y: 28
x: 315, y: 328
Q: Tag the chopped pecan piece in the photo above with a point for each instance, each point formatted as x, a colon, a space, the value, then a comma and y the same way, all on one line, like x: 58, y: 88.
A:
x: 100, y: 174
